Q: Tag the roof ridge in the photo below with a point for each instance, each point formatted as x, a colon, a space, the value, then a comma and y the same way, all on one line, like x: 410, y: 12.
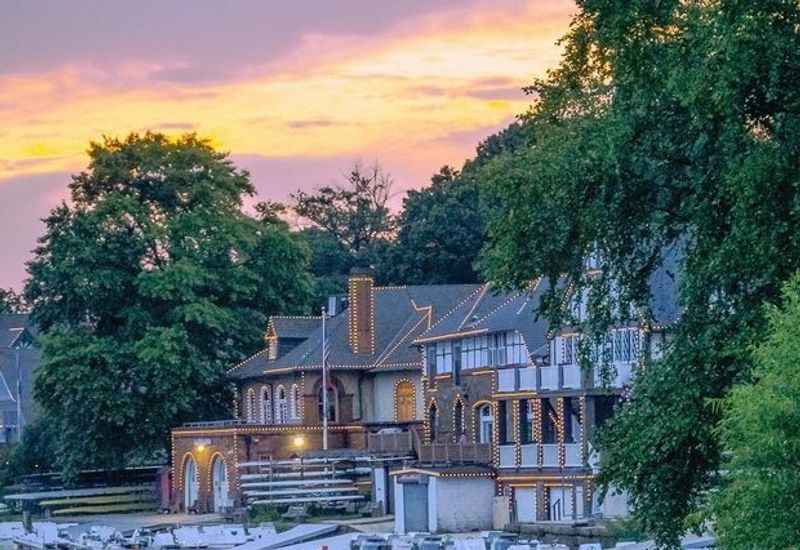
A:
x: 474, y: 306
x: 243, y: 361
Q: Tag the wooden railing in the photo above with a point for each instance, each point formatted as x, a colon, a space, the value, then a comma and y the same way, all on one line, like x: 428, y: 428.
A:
x: 451, y: 453
x: 400, y: 442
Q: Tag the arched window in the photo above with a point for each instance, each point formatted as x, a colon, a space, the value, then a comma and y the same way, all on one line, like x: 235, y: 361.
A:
x: 405, y: 401
x: 458, y: 419
x: 485, y: 423
x: 251, y: 406
x: 295, y: 403
x: 281, y: 407
x: 266, y: 405
x: 432, y: 421
x: 332, y: 404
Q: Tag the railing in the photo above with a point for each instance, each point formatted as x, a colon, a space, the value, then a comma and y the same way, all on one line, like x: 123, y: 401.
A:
x: 572, y: 376
x: 508, y: 456
x: 550, y: 455
x: 527, y: 378
x: 549, y: 377
x: 390, y: 442
x: 558, y: 377
x: 450, y: 453
x: 507, y: 379
x: 572, y: 454
x: 530, y: 455
x: 215, y: 423
x: 620, y: 375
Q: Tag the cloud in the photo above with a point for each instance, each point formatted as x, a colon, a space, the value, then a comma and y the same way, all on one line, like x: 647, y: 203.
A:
x: 312, y: 123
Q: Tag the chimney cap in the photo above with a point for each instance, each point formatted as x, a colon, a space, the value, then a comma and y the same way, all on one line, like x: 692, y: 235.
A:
x: 362, y: 271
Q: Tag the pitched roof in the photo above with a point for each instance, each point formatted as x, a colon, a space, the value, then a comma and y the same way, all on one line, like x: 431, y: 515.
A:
x: 401, y: 313
x: 294, y: 326
x: 490, y: 311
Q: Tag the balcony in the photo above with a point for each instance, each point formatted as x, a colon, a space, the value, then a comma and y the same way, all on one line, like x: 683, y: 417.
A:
x: 550, y: 455
x: 399, y: 442
x: 508, y: 456
x: 620, y: 375
x: 559, y: 377
x: 451, y: 453
x: 530, y: 455
x: 572, y: 454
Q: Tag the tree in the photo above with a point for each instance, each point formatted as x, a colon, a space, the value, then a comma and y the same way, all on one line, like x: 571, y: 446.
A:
x: 148, y: 288
x: 355, y: 214
x: 11, y: 302
x: 440, y: 232
x: 441, y: 228
x: 667, y: 125
x: 757, y: 506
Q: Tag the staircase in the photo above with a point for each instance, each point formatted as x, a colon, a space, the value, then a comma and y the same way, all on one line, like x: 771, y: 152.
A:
x: 301, y: 481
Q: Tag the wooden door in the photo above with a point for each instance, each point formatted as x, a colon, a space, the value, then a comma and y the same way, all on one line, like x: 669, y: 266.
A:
x: 405, y: 401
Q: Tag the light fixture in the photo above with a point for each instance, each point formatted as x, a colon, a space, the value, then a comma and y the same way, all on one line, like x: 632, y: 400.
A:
x: 299, y: 441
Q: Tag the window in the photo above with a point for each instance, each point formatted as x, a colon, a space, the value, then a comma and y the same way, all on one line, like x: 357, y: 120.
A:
x: 281, y: 406
x: 517, y: 351
x: 432, y: 421
x: 430, y: 359
x: 485, y: 424
x: 295, y: 403
x: 332, y: 404
x: 444, y: 357
x: 251, y: 405
x: 572, y: 420
x: 625, y: 345
x: 458, y: 419
x: 457, y: 362
x: 474, y: 352
x: 568, y: 350
x: 266, y: 405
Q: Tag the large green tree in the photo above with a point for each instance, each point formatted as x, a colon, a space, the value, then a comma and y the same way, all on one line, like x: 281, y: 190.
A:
x: 148, y: 286
x: 668, y: 124
x: 11, y: 302
x: 758, y: 506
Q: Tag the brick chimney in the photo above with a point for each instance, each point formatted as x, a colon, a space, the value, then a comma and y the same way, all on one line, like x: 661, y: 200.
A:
x: 361, y: 310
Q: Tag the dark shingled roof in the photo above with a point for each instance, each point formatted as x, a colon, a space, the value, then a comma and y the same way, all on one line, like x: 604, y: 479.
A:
x: 401, y: 314
x: 489, y: 311
x: 295, y: 327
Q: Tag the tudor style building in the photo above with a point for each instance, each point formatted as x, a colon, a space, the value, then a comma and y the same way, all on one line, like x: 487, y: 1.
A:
x: 373, y: 382
x: 479, y: 384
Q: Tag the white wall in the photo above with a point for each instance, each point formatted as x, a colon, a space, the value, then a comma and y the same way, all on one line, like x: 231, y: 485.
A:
x: 463, y: 504
x: 399, y: 508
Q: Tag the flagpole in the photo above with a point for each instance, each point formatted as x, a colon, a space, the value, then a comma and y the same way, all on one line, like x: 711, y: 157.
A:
x: 324, y: 386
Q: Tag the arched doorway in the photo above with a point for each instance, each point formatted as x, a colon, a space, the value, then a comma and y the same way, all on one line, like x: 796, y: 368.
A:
x: 405, y: 400
x: 219, y: 484
x: 191, y: 483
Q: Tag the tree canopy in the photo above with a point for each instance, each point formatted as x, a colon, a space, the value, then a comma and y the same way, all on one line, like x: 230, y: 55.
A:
x: 667, y: 125
x: 11, y: 302
x: 148, y: 287
x: 758, y: 506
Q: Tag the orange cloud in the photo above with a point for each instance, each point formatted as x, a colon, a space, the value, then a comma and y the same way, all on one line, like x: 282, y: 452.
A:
x: 401, y: 91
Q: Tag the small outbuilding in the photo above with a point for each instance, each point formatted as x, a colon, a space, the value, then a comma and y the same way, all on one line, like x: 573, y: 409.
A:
x: 443, y: 499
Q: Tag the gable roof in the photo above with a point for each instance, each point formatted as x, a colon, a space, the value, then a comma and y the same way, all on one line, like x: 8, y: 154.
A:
x: 401, y: 314
x: 490, y: 311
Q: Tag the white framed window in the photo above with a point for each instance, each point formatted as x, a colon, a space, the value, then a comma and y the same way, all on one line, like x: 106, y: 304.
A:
x: 295, y: 402
x: 444, y: 357
x: 266, y: 404
x: 485, y: 424
x: 251, y: 405
x: 516, y: 350
x: 281, y: 406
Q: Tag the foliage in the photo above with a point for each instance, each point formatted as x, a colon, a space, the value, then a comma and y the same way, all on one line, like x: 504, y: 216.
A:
x: 355, y: 214
x: 11, y: 302
x: 758, y: 506
x: 35, y: 453
x: 147, y: 288
x: 668, y: 126
x: 440, y: 231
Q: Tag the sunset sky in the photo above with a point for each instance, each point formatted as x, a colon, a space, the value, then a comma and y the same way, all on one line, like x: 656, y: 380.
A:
x: 296, y: 91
